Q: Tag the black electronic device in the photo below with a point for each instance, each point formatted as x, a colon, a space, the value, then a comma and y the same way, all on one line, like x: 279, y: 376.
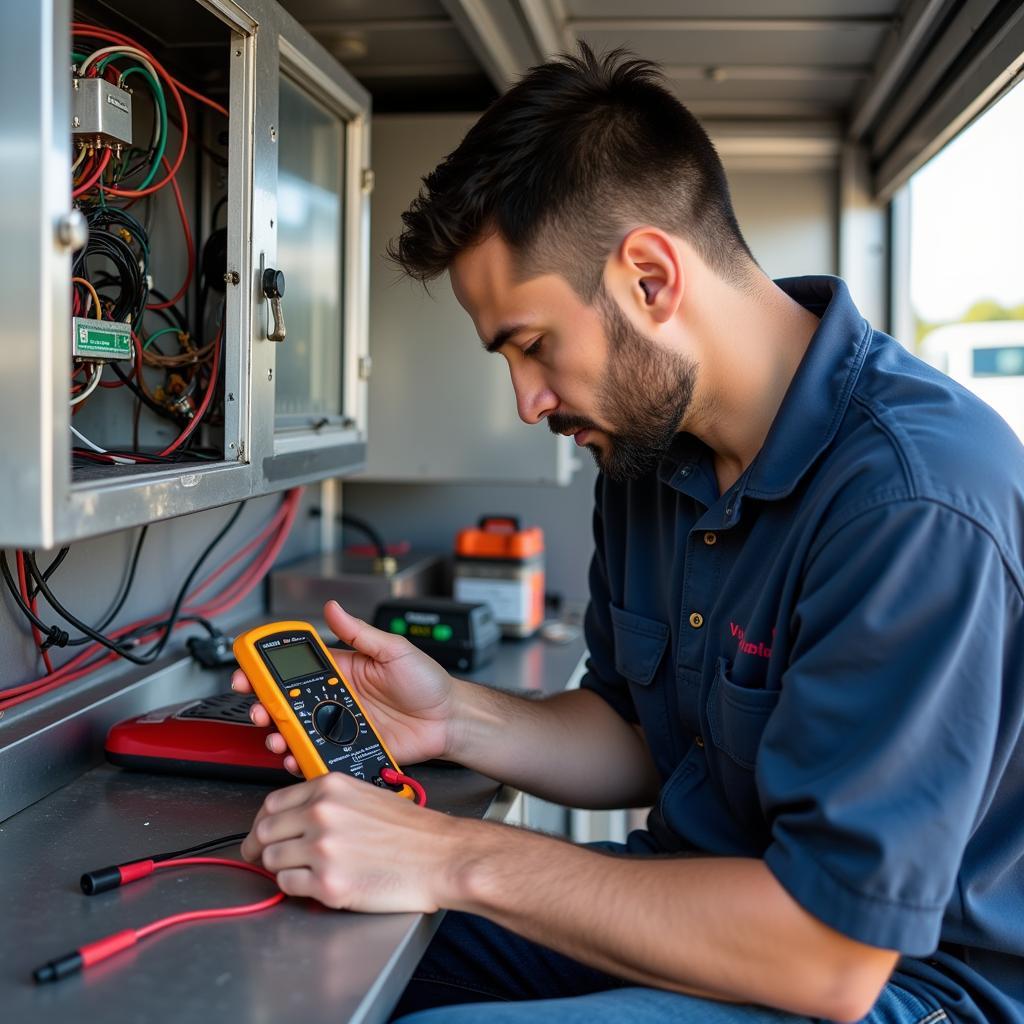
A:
x: 457, y: 634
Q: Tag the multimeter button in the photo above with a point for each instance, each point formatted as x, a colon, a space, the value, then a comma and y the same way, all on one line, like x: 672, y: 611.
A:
x: 332, y: 681
x: 295, y: 692
x: 335, y: 723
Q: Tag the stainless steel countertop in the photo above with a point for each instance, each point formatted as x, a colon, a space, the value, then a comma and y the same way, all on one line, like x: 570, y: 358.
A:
x: 295, y: 962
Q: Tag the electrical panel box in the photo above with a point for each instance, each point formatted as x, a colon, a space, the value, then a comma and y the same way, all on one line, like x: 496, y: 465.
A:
x: 186, y: 263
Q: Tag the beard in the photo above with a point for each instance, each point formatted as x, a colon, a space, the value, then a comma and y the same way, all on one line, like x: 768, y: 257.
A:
x: 644, y: 396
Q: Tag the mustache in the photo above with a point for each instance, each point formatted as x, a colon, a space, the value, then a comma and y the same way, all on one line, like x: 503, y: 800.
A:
x: 562, y: 423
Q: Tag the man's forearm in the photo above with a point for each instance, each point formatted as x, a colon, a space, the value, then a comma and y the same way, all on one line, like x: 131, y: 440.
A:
x: 719, y: 927
x: 571, y: 748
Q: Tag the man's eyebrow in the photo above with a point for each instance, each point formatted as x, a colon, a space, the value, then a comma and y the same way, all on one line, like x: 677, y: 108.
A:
x: 502, y: 336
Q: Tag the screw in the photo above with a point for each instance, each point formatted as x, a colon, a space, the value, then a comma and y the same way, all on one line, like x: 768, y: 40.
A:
x: 273, y: 134
x: 231, y: 398
x: 238, y: 53
x: 231, y: 277
x: 270, y: 374
x: 75, y: 122
x: 232, y: 445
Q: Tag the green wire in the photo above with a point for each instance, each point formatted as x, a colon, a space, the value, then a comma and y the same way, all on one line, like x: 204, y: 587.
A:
x: 163, y: 330
x: 158, y: 95
x: 161, y: 103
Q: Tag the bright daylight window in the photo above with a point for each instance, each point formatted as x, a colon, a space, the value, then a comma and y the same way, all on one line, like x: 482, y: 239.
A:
x: 966, y: 258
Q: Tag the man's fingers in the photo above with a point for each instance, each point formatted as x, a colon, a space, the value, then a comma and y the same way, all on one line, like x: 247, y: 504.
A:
x: 374, y: 643
x: 259, y: 715
x: 239, y: 682
x: 292, y: 766
x: 276, y: 743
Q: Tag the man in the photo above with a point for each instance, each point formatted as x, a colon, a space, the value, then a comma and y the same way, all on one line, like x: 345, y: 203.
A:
x: 805, y: 631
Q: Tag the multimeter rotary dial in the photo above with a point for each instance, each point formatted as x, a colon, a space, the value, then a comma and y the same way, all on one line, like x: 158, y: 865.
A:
x: 335, y: 722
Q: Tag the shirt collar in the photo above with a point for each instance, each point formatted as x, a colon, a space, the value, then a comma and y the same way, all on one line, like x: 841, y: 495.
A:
x: 819, y: 394
x: 814, y: 404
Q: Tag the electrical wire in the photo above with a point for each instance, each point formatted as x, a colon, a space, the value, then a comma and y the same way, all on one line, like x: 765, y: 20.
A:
x: 99, y: 950
x: 95, y: 657
x: 157, y: 649
x: 97, y: 173
x: 97, y: 308
x: 90, y: 387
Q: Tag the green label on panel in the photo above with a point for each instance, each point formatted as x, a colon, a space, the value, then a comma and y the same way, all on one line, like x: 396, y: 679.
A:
x: 442, y: 633
x: 398, y: 626
x: 100, y: 339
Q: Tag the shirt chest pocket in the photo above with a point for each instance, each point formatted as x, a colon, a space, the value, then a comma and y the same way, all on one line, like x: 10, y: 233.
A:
x: 640, y: 645
x: 737, y: 716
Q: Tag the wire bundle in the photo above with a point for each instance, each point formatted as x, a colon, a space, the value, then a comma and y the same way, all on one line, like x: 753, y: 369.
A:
x: 156, y: 629
x: 112, y: 273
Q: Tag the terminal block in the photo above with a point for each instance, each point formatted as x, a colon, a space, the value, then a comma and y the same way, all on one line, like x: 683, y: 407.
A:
x: 101, y: 113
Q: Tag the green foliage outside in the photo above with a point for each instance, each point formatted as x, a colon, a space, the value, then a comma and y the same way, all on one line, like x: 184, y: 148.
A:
x: 983, y: 309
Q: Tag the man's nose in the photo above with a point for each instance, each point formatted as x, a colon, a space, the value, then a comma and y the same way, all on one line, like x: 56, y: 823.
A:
x: 534, y: 399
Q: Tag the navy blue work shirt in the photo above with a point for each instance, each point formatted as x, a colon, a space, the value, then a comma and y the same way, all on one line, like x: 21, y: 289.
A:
x: 827, y: 660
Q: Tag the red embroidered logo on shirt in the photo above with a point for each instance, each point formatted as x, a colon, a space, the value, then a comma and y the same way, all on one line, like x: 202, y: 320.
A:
x: 745, y: 646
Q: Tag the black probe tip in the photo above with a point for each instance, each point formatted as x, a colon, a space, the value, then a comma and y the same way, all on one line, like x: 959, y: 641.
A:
x: 54, y: 970
x: 101, y: 880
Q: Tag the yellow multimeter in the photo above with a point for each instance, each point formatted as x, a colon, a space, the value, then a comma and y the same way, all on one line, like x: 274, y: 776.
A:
x: 312, y: 704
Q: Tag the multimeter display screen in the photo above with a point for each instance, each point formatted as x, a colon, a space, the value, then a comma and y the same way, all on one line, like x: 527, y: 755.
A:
x: 294, y: 660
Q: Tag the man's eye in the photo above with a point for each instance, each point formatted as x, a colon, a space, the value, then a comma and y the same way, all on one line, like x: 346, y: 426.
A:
x: 532, y: 349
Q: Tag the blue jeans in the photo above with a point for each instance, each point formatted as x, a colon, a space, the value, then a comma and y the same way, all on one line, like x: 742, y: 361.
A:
x: 475, y: 970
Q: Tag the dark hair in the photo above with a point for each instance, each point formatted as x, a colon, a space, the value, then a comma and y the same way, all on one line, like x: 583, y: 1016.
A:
x: 577, y: 153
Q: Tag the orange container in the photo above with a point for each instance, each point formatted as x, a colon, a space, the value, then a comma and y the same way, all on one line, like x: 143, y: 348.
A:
x: 502, y: 565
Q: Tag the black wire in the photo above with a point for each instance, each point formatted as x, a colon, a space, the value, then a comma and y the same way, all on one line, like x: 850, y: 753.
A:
x: 50, y: 570
x: 208, y: 846
x: 365, y: 528
x: 123, y: 596
x: 167, y: 625
x: 16, y: 594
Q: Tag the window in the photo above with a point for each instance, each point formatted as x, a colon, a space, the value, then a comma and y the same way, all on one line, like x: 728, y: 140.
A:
x: 962, y: 225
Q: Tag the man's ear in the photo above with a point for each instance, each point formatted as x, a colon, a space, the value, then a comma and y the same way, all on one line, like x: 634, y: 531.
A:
x: 645, y: 274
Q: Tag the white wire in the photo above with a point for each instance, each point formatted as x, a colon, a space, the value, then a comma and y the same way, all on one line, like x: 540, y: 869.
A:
x: 96, y: 448
x: 137, y: 54
x: 92, y: 386
x: 89, y: 444
x: 79, y: 158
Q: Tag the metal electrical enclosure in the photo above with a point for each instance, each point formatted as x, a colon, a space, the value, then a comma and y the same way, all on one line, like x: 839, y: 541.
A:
x: 49, y: 499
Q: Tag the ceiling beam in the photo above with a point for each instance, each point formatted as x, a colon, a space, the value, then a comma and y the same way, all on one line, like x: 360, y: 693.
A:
x: 549, y: 27
x: 907, y: 35
x: 724, y: 24
x: 491, y: 33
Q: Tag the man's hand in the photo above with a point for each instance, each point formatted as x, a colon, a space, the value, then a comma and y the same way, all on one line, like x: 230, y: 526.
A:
x: 407, y: 695
x: 353, y: 846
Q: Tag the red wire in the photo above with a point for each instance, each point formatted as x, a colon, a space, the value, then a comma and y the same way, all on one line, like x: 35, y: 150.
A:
x: 94, y: 177
x: 394, y: 778
x: 207, y: 398
x: 205, y: 915
x: 108, y: 35
x: 212, y: 104
x: 94, y: 656
x: 102, y: 949
x: 23, y: 586
x: 189, y: 247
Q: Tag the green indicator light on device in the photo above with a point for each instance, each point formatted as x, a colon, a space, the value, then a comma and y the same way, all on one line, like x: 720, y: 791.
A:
x: 442, y: 633
x: 398, y: 626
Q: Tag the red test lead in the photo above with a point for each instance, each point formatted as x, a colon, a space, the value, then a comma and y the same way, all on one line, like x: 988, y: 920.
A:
x: 110, y: 878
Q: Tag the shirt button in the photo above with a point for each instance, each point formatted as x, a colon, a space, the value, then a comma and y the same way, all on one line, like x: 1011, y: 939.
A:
x: 685, y: 472
x: 696, y: 620
x: 710, y: 538
x: 699, y: 740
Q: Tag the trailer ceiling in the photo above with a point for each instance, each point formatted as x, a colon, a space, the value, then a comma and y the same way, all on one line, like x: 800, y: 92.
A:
x: 807, y: 74
x: 787, y: 59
